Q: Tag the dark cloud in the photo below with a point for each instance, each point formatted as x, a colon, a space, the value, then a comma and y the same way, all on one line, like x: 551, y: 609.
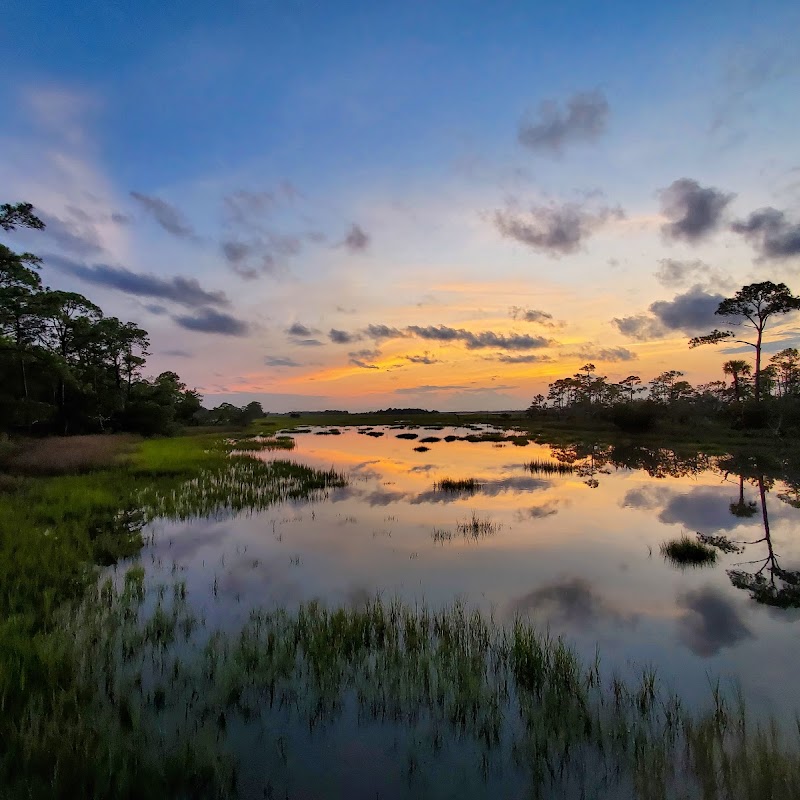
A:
x: 710, y: 622
x: 531, y: 315
x: 357, y: 240
x: 423, y: 359
x: 186, y: 291
x: 556, y: 230
x: 478, y: 341
x: 583, y: 120
x: 641, y: 327
x: 155, y: 309
x: 298, y: 330
x: 207, y: 320
x: 277, y: 361
x: 770, y: 233
x: 608, y: 354
x: 569, y: 603
x: 357, y: 362
x: 528, y: 359
x: 691, y: 312
x: 166, y: 215
x: 379, y: 332
x: 342, y: 337
x: 693, y: 211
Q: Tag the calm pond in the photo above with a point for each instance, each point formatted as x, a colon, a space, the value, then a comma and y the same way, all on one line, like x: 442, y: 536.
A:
x: 569, y: 537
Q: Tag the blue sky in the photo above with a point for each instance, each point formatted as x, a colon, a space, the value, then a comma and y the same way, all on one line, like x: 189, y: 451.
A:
x: 341, y: 165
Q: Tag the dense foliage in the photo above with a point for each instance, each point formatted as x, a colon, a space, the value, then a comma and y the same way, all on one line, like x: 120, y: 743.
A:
x: 65, y: 367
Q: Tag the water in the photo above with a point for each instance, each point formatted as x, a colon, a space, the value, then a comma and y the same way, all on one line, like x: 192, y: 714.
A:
x: 578, y: 553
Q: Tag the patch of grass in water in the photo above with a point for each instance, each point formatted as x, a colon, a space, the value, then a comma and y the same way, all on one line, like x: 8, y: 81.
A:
x: 407, y: 435
x: 375, y: 434
x: 451, y: 438
x: 421, y: 449
x: 542, y: 467
x: 470, y: 485
x: 686, y: 551
x: 430, y: 439
x: 477, y: 527
x: 256, y: 443
x: 153, y: 704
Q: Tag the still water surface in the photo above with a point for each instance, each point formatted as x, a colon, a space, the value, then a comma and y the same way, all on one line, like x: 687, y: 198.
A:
x: 578, y: 553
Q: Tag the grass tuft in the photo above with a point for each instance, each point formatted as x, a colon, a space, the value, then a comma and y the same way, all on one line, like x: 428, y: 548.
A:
x: 686, y: 551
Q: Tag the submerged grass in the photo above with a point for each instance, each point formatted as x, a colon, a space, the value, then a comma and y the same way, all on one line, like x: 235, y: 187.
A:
x: 686, y: 551
x: 153, y: 704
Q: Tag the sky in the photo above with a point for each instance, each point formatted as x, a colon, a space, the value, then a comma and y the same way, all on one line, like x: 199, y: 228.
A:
x: 445, y: 205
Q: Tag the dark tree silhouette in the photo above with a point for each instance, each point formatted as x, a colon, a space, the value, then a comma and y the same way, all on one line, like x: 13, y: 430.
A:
x: 753, y: 305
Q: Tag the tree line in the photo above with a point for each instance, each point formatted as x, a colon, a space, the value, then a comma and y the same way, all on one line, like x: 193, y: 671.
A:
x: 66, y: 367
x: 757, y: 395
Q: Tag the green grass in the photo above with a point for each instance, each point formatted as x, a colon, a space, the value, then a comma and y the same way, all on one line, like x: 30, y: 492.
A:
x: 686, y: 551
x: 56, y: 531
x: 150, y: 703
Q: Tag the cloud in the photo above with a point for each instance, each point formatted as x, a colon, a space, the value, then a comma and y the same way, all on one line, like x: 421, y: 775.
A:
x: 177, y: 353
x: 641, y: 327
x: 245, y: 207
x: 583, y: 120
x: 673, y: 273
x: 770, y: 233
x: 477, y: 341
x: 379, y: 332
x: 342, y: 337
x: 556, y: 230
x: 363, y: 364
x: 541, y: 511
x: 691, y: 312
x: 361, y: 358
x: 308, y: 342
x: 356, y: 240
x: 166, y: 215
x: 531, y: 315
x: 608, y: 354
x: 153, y: 308
x: 693, y: 211
x: 423, y: 359
x: 298, y: 330
x: 710, y: 622
x: 428, y: 388
x: 277, y: 361
x: 78, y: 235
x: 570, y: 603
x: 528, y: 359
x: 207, y: 320
x: 186, y: 291
x: 120, y: 219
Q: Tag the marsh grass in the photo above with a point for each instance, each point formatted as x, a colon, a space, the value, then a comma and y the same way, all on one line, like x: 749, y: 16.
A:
x: 421, y: 449
x: 66, y: 455
x: 468, y: 485
x: 477, y: 527
x: 430, y: 439
x: 543, y: 467
x: 407, y: 435
x: 150, y: 703
x: 256, y: 443
x: 686, y: 551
